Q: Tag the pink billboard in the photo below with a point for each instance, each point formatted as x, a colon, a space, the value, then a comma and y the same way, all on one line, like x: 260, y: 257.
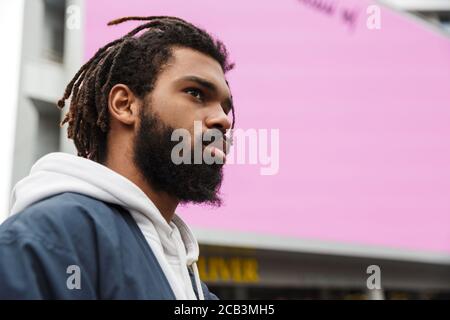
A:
x: 362, y: 116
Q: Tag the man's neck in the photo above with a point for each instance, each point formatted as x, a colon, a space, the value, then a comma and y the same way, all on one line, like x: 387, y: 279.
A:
x: 165, y: 203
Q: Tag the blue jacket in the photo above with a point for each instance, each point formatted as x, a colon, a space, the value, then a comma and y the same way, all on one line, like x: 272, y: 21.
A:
x: 48, y: 246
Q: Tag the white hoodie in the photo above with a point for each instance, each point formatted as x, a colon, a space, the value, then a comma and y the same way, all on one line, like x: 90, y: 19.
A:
x: 174, y: 244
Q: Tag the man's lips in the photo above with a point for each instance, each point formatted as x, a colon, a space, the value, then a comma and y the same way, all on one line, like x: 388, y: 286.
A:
x: 218, y: 149
x: 217, y: 152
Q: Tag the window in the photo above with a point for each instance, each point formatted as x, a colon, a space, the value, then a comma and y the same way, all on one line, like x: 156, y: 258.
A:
x: 48, y: 130
x: 54, y: 27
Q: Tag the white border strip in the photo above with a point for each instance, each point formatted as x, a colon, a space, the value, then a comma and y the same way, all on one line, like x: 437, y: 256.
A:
x: 290, y: 244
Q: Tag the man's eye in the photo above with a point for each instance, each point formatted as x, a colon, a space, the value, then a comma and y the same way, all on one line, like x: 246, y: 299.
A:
x: 196, y: 93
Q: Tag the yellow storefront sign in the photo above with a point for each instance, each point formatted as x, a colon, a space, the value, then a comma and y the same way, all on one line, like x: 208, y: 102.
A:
x: 234, y: 270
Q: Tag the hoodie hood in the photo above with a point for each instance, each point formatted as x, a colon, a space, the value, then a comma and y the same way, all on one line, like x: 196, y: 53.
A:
x: 61, y: 172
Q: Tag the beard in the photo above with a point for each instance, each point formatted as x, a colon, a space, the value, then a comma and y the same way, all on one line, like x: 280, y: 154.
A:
x: 189, y: 183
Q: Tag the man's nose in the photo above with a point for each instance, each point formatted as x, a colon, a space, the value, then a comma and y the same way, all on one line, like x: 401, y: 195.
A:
x: 218, y: 119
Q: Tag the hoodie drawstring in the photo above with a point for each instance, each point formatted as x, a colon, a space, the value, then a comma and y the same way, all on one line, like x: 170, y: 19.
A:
x: 197, y: 282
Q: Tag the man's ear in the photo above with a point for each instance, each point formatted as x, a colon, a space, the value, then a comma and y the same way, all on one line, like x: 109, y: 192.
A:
x: 123, y: 105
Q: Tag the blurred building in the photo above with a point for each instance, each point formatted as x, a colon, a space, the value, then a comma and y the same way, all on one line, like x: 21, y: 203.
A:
x: 45, y: 58
x: 50, y: 53
x: 436, y: 12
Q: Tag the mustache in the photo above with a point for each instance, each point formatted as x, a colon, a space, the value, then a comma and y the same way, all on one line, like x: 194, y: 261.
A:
x: 223, y: 143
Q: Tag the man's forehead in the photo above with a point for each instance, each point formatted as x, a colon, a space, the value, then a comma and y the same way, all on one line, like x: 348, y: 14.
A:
x: 186, y: 57
x: 188, y: 63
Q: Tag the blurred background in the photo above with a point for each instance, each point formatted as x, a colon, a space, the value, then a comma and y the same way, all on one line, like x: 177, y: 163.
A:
x: 359, y: 91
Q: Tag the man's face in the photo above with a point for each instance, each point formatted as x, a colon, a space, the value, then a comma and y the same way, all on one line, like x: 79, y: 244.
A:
x: 191, y: 88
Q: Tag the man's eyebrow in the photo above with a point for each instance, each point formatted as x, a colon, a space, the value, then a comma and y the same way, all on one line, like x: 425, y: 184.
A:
x: 210, y: 86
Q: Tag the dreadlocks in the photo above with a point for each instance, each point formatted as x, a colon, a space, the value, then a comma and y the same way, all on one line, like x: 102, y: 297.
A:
x: 134, y: 60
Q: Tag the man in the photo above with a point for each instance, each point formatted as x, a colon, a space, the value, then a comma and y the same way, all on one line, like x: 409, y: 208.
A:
x: 103, y: 225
